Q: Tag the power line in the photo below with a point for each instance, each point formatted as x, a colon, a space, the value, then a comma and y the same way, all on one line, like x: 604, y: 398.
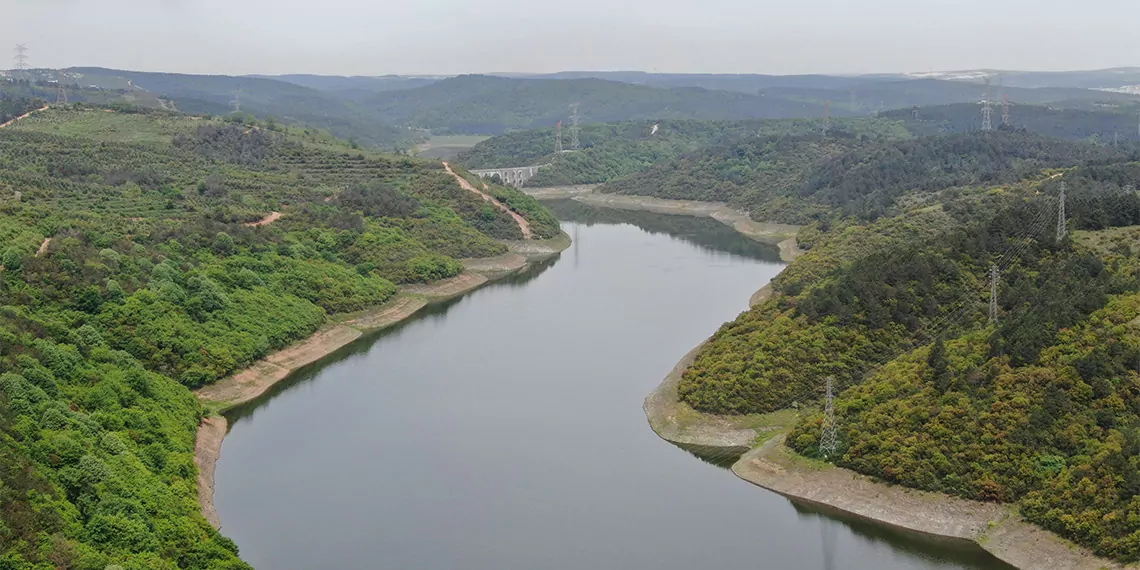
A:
x: 995, y: 275
x: 1062, y: 226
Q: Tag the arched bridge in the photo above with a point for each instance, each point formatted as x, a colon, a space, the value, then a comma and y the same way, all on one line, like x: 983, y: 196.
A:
x: 515, y: 176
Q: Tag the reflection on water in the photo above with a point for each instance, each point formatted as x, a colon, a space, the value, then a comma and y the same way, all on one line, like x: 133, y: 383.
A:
x: 504, y: 430
x: 707, y: 233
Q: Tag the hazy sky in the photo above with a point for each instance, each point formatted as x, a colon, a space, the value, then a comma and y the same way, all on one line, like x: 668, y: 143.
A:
x: 467, y: 36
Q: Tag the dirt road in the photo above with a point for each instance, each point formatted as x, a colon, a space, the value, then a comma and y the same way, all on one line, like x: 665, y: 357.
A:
x: 25, y: 116
x: 524, y: 225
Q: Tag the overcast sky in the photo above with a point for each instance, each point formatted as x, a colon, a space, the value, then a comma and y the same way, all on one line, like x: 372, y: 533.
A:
x: 374, y: 37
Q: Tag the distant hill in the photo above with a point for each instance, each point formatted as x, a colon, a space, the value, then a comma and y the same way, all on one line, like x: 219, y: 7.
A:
x: 478, y: 104
x: 886, y: 95
x: 1105, y: 125
x: 288, y: 102
x: 615, y: 150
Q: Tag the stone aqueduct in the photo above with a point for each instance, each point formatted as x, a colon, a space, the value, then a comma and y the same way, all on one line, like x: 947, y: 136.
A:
x: 515, y: 176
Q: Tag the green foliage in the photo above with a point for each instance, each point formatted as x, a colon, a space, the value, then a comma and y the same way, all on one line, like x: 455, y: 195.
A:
x: 800, y: 178
x: 474, y: 104
x: 156, y: 282
x: 615, y: 150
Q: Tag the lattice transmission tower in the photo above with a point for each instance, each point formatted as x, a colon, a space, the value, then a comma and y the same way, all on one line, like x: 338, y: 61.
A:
x: 987, y: 110
x: 829, y: 439
x: 558, y: 139
x: 1005, y: 110
x: 61, y: 93
x: 575, y: 127
x: 21, y: 59
x: 236, y: 103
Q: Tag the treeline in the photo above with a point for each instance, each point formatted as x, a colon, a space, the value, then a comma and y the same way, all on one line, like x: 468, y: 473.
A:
x: 154, y: 281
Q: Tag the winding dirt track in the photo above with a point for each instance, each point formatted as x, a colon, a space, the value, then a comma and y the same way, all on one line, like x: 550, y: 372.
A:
x: 25, y: 116
x: 521, y: 221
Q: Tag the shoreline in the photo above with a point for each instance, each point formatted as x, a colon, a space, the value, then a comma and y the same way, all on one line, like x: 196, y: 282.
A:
x: 254, y: 381
x: 995, y: 528
x: 782, y: 236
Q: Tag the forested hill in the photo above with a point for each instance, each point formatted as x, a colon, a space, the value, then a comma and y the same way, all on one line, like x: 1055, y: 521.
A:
x: 263, y: 98
x: 798, y: 178
x: 615, y: 150
x: 1040, y: 408
x: 134, y: 268
x: 1106, y: 125
x: 475, y: 104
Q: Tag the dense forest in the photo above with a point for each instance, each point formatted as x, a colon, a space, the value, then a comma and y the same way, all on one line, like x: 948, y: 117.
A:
x: 613, y: 151
x: 478, y: 104
x: 132, y: 271
x: 796, y: 179
x: 1104, y: 125
x: 1041, y: 408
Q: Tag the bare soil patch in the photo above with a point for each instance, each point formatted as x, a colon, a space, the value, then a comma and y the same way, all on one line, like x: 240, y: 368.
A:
x: 272, y: 217
x: 255, y: 380
x: 207, y: 451
x: 43, y: 247
x: 448, y: 287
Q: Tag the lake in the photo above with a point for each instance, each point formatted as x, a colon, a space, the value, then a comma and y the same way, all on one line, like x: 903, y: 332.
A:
x: 504, y: 430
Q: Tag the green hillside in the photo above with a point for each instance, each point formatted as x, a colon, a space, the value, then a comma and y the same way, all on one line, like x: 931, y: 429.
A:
x: 475, y: 104
x: 287, y: 102
x: 1040, y: 409
x: 132, y: 272
x: 795, y: 179
x: 612, y: 151
x: 1106, y: 125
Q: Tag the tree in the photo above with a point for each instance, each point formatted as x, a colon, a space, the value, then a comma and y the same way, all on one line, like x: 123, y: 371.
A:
x: 939, y: 366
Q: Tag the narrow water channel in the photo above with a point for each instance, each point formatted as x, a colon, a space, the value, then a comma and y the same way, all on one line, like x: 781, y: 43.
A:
x: 504, y: 430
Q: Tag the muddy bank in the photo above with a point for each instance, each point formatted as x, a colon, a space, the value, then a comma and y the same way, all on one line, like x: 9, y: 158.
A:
x: 996, y: 528
x: 254, y: 381
x: 780, y: 235
x: 206, y: 454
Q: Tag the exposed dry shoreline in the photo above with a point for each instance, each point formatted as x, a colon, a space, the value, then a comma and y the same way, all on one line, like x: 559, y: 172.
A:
x: 780, y: 235
x: 254, y: 381
x: 996, y: 528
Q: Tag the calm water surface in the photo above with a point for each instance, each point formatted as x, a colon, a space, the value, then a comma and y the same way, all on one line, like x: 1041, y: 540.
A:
x: 505, y: 431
